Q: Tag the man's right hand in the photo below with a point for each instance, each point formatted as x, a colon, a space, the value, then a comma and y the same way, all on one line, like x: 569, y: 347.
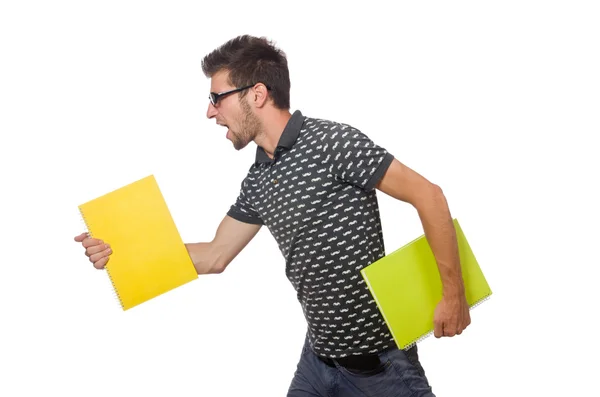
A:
x: 96, y: 250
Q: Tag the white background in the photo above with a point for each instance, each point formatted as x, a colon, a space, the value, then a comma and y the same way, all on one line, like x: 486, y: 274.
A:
x: 497, y: 103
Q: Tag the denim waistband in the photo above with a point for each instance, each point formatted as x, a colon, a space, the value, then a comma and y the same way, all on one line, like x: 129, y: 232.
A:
x: 362, y: 362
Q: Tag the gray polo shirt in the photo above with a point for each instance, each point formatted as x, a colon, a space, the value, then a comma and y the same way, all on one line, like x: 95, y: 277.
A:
x: 318, y: 199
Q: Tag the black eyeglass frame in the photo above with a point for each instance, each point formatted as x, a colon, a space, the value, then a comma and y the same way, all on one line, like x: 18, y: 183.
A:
x: 215, y: 97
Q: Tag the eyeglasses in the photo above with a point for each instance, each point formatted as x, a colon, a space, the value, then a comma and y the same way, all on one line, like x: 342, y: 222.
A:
x: 216, y: 97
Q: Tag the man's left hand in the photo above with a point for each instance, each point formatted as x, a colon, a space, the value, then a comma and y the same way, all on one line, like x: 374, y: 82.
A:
x: 451, y: 316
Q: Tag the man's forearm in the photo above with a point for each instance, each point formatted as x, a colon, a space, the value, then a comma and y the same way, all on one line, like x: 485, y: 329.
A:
x: 204, y: 259
x: 441, y: 235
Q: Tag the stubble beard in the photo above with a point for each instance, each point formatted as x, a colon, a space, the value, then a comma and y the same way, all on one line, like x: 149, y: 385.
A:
x: 250, y: 128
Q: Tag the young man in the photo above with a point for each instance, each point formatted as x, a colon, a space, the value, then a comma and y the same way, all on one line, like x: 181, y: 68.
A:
x: 313, y: 184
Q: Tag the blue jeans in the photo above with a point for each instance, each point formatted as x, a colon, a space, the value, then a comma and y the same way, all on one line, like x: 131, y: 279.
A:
x: 399, y: 375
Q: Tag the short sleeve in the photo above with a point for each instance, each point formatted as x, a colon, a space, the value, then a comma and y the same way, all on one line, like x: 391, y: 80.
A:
x: 354, y: 158
x: 242, y: 209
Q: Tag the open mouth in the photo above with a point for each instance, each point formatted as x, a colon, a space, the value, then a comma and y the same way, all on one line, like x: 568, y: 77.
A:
x: 226, y: 126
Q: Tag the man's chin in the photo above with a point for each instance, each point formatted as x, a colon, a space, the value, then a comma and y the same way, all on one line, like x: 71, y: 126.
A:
x: 239, y: 145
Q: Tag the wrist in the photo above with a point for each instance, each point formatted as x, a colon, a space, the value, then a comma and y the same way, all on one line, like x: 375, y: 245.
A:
x: 454, y: 292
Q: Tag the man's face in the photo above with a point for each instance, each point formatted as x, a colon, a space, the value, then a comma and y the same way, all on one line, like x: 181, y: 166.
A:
x: 234, y: 113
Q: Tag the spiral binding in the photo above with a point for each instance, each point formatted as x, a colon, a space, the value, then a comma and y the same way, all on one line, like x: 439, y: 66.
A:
x: 428, y: 334
x: 480, y: 301
x: 114, y: 289
x: 418, y: 340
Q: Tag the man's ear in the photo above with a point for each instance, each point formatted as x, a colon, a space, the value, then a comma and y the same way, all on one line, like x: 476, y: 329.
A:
x: 260, y: 94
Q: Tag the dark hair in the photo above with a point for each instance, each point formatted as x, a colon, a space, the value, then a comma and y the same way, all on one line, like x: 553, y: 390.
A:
x: 250, y: 60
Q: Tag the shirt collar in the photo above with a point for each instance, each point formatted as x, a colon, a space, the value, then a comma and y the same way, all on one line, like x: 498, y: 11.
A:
x: 286, y: 141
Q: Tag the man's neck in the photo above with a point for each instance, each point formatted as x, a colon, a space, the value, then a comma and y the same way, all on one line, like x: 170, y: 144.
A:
x: 273, y: 125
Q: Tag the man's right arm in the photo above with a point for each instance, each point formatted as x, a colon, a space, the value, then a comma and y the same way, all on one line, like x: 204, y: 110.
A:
x: 231, y: 237
x: 212, y: 257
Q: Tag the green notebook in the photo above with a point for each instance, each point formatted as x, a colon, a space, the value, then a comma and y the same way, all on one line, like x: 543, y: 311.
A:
x: 406, y: 286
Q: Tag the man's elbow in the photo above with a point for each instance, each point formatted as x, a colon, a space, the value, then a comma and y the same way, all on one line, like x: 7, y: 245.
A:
x: 431, y: 197
x: 219, y: 265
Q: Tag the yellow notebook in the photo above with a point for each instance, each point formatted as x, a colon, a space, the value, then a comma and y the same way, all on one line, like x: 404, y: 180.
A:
x: 406, y: 286
x: 149, y: 257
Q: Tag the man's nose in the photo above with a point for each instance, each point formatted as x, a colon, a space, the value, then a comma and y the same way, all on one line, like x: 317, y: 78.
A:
x: 211, y: 111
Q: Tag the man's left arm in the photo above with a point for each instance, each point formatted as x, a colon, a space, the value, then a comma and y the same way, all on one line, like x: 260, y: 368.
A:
x: 399, y: 181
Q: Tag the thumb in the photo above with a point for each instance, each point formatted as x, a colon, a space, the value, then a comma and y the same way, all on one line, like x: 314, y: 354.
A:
x: 438, y: 329
x: 438, y: 324
x: 81, y: 237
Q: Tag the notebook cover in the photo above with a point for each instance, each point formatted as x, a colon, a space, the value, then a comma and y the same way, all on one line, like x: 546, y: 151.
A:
x: 407, y: 287
x: 149, y: 257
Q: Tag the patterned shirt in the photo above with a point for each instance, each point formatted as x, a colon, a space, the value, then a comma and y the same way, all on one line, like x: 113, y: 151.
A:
x: 317, y: 197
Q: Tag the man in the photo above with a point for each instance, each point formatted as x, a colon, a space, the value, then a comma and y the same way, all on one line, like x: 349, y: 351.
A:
x: 313, y: 184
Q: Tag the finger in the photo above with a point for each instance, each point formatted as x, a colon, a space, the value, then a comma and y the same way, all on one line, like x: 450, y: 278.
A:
x: 96, y: 249
x: 438, y: 329
x: 460, y: 327
x: 466, y: 320
x: 100, y: 255
x: 90, y: 242
x: 450, y: 326
x: 81, y: 237
x: 102, y: 263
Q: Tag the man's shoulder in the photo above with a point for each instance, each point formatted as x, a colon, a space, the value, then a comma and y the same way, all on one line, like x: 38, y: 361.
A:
x: 325, y: 124
x: 329, y: 130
